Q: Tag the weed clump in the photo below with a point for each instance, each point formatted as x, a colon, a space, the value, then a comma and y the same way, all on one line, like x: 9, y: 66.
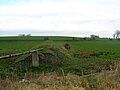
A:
x: 67, y: 46
x: 54, y: 55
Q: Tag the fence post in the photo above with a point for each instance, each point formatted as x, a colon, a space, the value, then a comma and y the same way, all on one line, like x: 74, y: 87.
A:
x: 35, y: 59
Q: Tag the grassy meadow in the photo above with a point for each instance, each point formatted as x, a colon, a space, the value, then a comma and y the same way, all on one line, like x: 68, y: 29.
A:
x: 85, y: 57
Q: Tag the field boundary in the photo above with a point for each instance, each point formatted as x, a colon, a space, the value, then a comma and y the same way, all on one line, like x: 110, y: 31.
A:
x: 19, y: 54
x: 34, y: 53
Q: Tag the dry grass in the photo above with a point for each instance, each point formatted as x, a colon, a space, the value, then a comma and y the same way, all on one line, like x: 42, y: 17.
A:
x: 46, y: 82
x: 107, y: 80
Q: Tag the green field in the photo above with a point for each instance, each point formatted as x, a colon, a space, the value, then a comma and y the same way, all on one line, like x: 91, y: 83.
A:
x: 85, y: 57
x: 106, y: 51
x: 10, y: 45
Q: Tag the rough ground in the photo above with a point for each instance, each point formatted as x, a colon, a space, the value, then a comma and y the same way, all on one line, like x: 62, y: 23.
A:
x: 50, y: 81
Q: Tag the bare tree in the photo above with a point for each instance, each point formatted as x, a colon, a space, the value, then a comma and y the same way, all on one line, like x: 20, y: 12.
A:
x: 116, y: 35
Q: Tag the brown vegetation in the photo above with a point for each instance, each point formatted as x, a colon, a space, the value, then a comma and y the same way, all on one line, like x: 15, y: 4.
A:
x: 107, y: 80
x: 54, y: 81
x: 49, y: 81
x: 84, y: 54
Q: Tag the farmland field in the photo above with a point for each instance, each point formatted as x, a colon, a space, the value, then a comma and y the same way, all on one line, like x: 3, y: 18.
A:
x: 10, y: 45
x: 21, y: 43
x: 84, y: 56
x: 107, y: 50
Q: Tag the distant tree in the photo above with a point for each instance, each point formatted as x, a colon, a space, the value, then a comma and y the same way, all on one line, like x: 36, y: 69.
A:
x: 116, y: 35
x: 46, y: 38
x: 85, y: 38
x: 73, y: 38
x: 93, y: 37
x: 110, y: 38
x: 28, y: 35
x: 21, y: 35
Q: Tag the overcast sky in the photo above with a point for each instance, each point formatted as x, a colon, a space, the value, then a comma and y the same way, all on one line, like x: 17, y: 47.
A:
x: 59, y: 17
